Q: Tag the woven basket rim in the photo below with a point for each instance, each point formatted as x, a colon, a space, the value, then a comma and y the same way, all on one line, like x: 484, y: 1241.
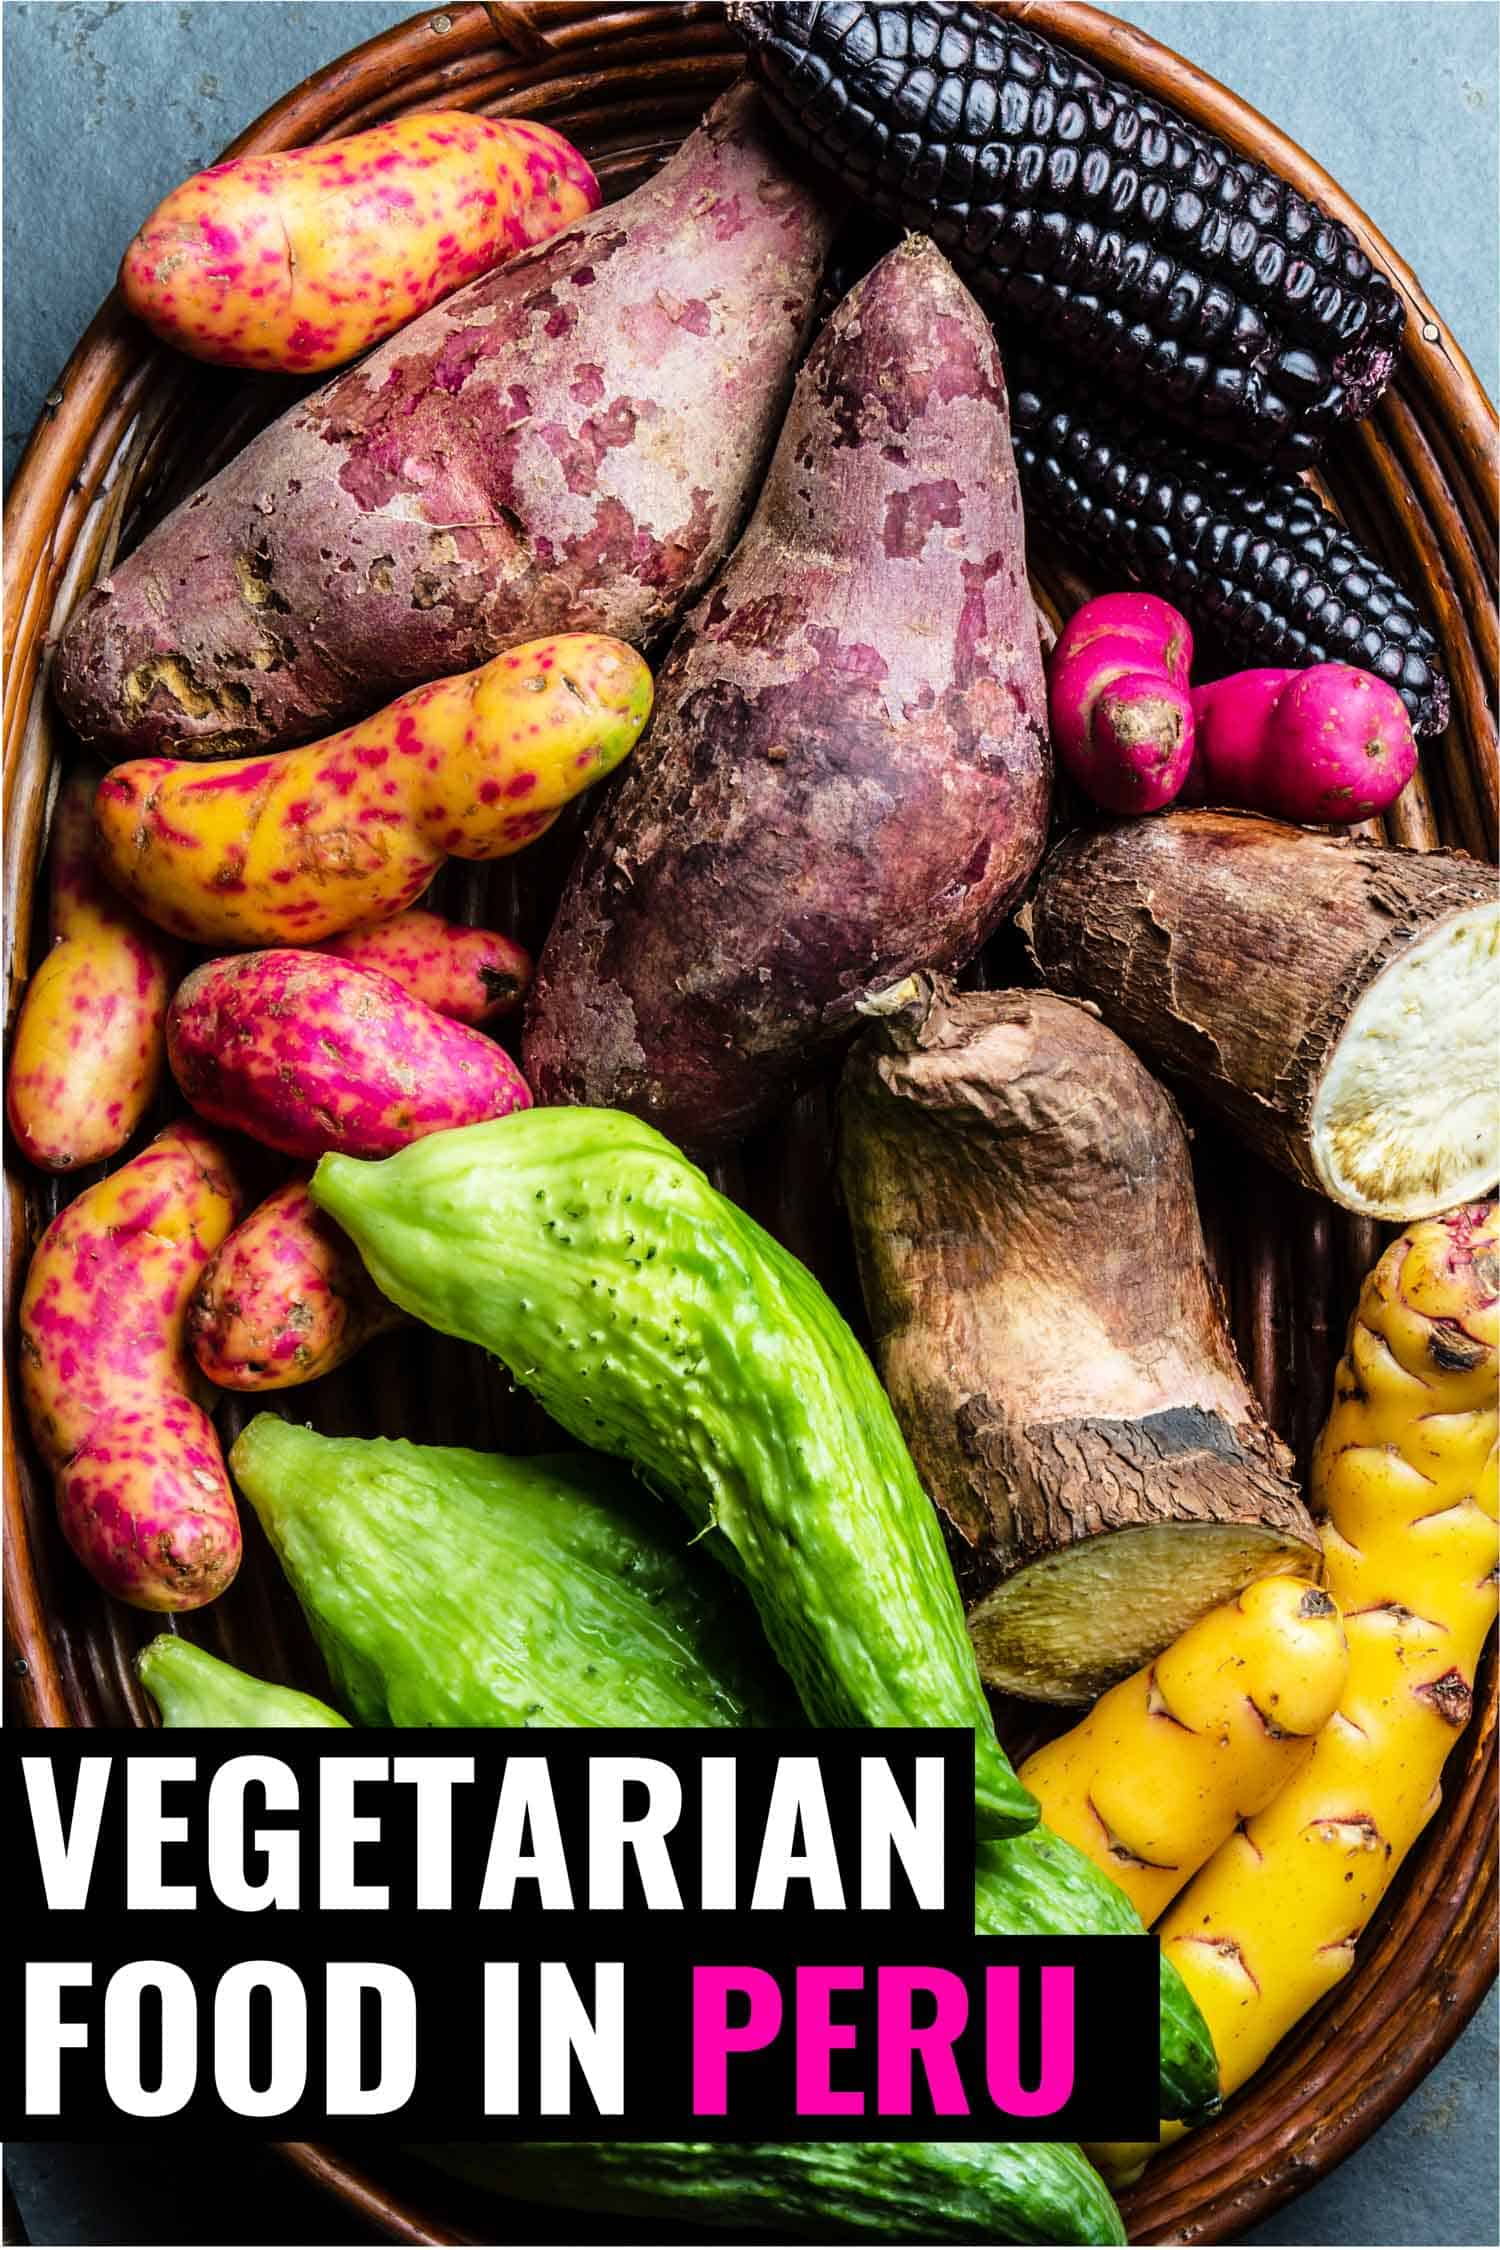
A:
x: 1442, y: 428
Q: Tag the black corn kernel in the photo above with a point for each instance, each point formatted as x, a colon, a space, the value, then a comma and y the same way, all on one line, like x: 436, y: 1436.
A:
x: 1257, y: 561
x: 1024, y: 149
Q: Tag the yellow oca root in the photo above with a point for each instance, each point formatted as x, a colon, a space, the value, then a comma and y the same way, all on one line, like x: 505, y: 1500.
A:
x: 1168, y: 1763
x: 1404, y: 1484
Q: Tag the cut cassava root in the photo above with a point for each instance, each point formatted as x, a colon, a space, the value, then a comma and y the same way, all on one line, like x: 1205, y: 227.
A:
x: 1050, y: 1336
x: 1334, y: 1000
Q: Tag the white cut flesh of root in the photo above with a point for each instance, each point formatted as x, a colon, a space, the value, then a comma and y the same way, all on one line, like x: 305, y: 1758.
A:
x: 1406, y: 1122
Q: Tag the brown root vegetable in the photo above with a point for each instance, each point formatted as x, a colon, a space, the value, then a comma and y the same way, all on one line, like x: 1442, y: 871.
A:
x: 1051, y: 1338
x: 568, y: 443
x: 1334, y: 1000
x: 848, y: 771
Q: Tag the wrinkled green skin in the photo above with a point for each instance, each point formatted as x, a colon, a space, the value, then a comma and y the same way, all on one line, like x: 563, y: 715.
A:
x: 430, y: 1577
x: 193, y: 1689
x: 654, y: 1319
x: 911, y: 2191
x: 456, y: 1589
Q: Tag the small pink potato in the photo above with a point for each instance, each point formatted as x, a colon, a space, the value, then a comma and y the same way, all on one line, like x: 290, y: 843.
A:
x: 300, y: 261
x: 469, y: 974
x: 1118, y: 701
x: 107, y: 1384
x: 1235, y: 714
x: 1160, y: 634
x: 286, y: 1299
x: 88, y: 1050
x: 306, y: 1053
x: 1330, y: 745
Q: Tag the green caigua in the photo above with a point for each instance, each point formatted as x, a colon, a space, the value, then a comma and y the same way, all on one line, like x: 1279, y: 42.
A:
x: 655, y: 1320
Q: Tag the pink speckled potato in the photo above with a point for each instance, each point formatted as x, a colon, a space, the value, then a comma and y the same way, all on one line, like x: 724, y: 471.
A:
x: 469, y: 974
x: 294, y: 848
x: 88, y: 1050
x: 107, y: 1384
x: 567, y: 445
x: 286, y: 1299
x: 299, y: 261
x: 306, y: 1054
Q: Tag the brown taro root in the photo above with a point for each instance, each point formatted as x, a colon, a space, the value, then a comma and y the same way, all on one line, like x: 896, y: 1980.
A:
x: 567, y: 444
x: 1334, y: 1000
x: 1051, y: 1338
x: 847, y: 776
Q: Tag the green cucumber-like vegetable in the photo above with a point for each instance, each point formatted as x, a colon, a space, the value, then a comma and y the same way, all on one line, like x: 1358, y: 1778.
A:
x: 193, y: 1689
x: 655, y: 1319
x: 908, y: 2191
x: 449, y: 1588
x: 456, y: 1589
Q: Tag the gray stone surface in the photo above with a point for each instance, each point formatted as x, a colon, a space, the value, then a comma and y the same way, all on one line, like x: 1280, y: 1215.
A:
x: 107, y: 105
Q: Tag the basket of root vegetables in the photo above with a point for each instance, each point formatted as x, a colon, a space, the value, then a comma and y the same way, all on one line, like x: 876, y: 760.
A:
x: 808, y: 814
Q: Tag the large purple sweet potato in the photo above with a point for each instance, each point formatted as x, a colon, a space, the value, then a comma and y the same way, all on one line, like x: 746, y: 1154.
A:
x: 569, y: 443
x: 848, y: 772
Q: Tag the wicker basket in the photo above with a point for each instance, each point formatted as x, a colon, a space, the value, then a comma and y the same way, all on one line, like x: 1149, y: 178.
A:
x: 127, y: 429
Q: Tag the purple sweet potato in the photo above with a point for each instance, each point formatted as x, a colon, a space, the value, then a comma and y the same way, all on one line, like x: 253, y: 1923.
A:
x: 307, y: 1053
x: 567, y: 444
x: 848, y: 773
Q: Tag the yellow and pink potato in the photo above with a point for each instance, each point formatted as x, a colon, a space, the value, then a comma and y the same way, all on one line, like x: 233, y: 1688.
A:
x: 108, y: 1388
x: 286, y: 1299
x: 469, y: 974
x: 88, y: 1050
x: 298, y: 262
x: 290, y: 849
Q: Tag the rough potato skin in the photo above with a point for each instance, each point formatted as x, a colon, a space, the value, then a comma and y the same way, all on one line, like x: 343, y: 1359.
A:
x: 308, y: 1054
x: 848, y: 774
x: 286, y: 1299
x: 567, y: 444
x: 297, y: 846
x: 470, y: 974
x: 88, y: 1051
x: 107, y: 1384
x: 301, y: 260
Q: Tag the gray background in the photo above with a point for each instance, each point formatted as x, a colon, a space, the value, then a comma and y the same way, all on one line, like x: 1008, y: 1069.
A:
x: 109, y: 105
